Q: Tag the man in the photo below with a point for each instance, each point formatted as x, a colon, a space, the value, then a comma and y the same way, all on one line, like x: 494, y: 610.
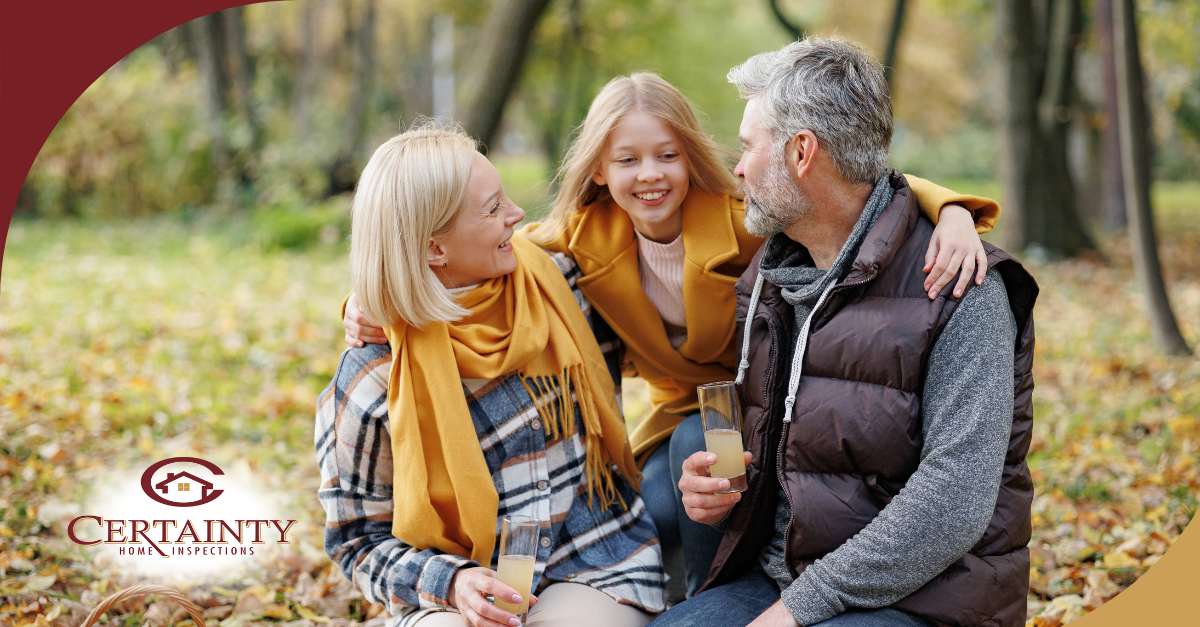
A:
x: 886, y: 432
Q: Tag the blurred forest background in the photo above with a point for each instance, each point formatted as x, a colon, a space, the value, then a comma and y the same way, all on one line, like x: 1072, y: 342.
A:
x: 173, y: 274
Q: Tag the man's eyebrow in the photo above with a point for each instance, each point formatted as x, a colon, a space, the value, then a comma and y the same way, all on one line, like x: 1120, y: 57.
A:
x: 742, y: 140
x: 490, y: 199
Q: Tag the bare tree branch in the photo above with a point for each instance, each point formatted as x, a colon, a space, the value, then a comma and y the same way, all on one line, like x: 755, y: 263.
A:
x: 795, y: 29
x: 889, y: 57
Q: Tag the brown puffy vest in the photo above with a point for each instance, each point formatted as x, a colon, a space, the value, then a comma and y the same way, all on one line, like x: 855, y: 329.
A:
x: 855, y: 435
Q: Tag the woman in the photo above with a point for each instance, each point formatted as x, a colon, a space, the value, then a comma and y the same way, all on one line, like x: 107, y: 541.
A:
x: 485, y: 337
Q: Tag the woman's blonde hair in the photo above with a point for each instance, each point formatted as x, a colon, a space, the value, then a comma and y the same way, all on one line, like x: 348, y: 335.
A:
x: 411, y: 190
x: 651, y: 94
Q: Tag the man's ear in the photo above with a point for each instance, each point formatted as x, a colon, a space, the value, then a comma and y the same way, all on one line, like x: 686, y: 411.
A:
x: 801, y: 153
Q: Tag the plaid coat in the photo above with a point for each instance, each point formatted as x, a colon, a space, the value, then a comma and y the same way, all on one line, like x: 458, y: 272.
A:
x: 614, y: 551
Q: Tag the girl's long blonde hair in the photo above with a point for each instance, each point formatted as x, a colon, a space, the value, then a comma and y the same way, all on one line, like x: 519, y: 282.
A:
x: 651, y: 94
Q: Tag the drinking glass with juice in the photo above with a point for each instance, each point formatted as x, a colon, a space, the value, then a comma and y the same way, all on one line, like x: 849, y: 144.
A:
x: 722, y: 415
x: 518, y: 556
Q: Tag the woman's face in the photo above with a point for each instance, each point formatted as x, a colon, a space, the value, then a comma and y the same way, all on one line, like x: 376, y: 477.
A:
x: 646, y: 174
x: 479, y: 247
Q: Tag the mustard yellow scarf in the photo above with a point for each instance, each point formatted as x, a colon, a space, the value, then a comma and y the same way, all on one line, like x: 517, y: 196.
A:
x: 528, y: 322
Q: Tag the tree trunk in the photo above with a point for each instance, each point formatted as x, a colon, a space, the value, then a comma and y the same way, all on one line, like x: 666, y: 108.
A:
x: 1134, y: 123
x: 242, y: 69
x: 343, y: 171
x: 560, y: 105
x: 1037, y: 79
x: 889, y: 57
x: 498, y: 60
x: 442, y: 51
x: 308, y: 61
x: 416, y: 71
x: 206, y: 34
x: 1112, y: 188
x: 174, y: 48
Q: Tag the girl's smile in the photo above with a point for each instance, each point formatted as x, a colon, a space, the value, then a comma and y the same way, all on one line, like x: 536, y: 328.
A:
x: 646, y: 174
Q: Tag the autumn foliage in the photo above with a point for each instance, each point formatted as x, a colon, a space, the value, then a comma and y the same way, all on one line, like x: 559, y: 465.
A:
x: 123, y: 344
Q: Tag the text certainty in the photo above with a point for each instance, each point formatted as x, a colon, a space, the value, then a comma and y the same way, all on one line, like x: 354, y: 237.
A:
x: 156, y: 533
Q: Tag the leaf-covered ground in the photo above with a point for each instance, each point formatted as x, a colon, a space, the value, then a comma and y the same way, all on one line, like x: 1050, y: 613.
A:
x: 124, y: 344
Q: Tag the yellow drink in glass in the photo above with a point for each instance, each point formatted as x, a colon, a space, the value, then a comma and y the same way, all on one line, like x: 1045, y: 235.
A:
x: 722, y: 414
x: 727, y: 444
x: 516, y: 572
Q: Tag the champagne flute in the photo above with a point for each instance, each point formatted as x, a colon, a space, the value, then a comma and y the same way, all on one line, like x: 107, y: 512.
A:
x: 518, y: 556
x: 722, y: 415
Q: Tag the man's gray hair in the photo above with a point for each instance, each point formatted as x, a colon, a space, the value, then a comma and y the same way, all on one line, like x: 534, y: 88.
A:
x: 831, y: 87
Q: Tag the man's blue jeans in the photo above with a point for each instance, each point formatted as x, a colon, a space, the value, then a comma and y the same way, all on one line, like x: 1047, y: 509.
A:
x: 660, y: 491
x: 738, y: 603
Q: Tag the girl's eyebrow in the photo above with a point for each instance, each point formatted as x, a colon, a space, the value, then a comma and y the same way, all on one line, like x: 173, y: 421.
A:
x: 630, y: 147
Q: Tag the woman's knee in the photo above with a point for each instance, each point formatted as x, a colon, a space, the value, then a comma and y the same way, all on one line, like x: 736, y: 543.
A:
x: 582, y: 606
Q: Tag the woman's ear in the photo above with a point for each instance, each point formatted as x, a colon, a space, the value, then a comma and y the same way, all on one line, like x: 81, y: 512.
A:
x: 598, y: 177
x: 435, y: 255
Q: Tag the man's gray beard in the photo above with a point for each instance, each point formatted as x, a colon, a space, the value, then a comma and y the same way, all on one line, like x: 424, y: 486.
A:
x: 776, y: 204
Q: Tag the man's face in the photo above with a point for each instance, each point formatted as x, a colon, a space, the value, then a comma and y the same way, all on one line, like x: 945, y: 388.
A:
x: 773, y: 200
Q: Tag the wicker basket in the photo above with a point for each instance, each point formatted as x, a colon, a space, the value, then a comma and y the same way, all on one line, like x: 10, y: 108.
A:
x: 139, y: 591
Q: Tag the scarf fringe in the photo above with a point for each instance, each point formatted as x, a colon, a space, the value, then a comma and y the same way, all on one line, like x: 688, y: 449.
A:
x: 552, y: 398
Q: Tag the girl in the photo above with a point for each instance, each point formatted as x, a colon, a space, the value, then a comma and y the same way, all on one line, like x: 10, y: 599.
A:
x: 650, y: 214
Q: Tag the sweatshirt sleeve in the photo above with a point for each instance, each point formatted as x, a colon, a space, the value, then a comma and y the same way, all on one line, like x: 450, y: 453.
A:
x: 932, y: 197
x: 946, y: 505
x: 355, y: 457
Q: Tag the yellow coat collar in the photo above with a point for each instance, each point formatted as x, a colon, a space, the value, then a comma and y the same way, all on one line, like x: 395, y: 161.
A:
x: 604, y: 245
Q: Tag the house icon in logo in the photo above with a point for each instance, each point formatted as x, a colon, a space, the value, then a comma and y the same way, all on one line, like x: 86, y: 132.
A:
x: 183, y: 485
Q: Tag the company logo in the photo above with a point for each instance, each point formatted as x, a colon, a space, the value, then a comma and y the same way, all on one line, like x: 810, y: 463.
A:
x: 182, y: 484
x: 146, y: 534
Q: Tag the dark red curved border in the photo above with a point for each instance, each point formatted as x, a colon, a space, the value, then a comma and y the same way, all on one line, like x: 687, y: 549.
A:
x: 50, y: 52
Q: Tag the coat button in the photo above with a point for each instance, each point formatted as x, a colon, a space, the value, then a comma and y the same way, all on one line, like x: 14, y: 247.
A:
x: 543, y: 485
x: 545, y: 542
x: 572, y: 575
x: 536, y: 425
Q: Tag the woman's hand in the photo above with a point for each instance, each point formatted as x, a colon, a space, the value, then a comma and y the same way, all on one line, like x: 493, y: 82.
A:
x: 954, y: 245
x: 359, y: 327
x: 700, y: 501
x: 469, y: 591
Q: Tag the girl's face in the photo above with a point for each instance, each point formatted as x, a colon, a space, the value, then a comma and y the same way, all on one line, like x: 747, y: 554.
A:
x: 479, y: 247
x: 646, y: 174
